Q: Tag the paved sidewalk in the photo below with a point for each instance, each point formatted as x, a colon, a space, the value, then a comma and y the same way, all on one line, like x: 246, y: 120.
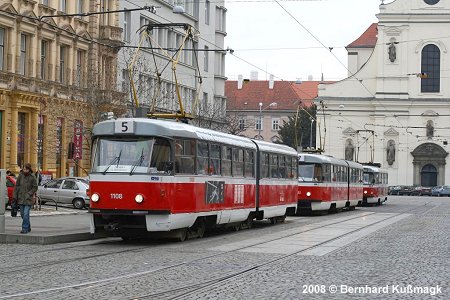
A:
x: 48, y: 227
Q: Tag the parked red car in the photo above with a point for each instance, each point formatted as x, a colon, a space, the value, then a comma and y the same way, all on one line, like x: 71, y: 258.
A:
x: 10, y: 184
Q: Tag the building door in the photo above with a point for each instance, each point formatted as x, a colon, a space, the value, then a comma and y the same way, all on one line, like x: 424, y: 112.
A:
x: 429, y: 164
x: 429, y: 175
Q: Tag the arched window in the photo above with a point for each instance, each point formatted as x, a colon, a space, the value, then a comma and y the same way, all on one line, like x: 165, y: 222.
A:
x: 431, y: 66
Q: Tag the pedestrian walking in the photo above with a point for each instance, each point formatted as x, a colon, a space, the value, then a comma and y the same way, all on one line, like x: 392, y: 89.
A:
x: 24, y: 195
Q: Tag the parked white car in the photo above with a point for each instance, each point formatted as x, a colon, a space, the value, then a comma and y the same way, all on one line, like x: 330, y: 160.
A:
x: 68, y: 190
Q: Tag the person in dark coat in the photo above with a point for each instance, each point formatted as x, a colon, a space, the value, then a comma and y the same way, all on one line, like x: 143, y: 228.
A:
x: 26, y: 187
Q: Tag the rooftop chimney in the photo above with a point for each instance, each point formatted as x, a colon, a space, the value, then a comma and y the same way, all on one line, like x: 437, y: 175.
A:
x: 254, y: 75
x: 240, y: 82
x: 271, y: 82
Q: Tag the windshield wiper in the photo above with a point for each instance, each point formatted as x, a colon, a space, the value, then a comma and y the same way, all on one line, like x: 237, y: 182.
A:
x: 113, y: 161
x: 138, y: 163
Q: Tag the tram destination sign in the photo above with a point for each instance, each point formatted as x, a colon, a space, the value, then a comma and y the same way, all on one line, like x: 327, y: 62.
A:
x: 124, y: 127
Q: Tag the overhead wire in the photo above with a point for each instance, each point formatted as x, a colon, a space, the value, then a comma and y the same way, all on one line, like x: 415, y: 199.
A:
x: 246, y: 61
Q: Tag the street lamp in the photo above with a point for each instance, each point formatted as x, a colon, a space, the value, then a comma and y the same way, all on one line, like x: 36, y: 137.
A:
x: 260, y: 116
x: 311, y: 133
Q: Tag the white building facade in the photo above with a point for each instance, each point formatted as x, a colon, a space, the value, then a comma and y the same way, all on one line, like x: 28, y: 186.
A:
x: 394, y: 108
x: 208, y: 18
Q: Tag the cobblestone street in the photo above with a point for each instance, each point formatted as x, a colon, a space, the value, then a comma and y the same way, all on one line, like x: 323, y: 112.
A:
x: 404, y: 242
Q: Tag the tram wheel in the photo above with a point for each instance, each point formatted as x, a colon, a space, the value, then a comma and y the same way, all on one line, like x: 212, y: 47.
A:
x: 182, y: 234
x: 201, y: 228
x: 351, y: 207
x: 249, y: 222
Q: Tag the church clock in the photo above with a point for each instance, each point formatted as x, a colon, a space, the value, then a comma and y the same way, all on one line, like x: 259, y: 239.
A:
x: 431, y: 2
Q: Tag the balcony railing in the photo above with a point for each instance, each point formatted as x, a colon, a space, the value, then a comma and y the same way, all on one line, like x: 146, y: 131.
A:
x: 111, y: 34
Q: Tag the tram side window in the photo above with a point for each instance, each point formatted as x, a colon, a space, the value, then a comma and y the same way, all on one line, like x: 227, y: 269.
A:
x: 338, y: 174
x: 274, y: 166
x: 202, y: 158
x: 184, y: 156
x: 333, y: 173
x: 161, y: 156
x: 292, y: 168
x: 226, y: 160
x: 214, y: 160
x: 265, y: 165
x: 344, y: 174
x: 282, y: 173
x: 353, y: 175
x: 249, y: 163
x: 326, y: 173
x: 238, y: 162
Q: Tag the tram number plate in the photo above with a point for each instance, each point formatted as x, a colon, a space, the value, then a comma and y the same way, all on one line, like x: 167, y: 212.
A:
x: 124, y: 127
x: 116, y: 196
x: 214, y: 192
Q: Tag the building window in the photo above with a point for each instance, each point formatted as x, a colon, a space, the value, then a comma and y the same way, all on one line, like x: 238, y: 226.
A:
x: 21, y: 139
x: 126, y: 26
x: 45, y: 2
x: 125, y: 81
x: 23, y: 54
x: 241, y: 124
x: 62, y: 64
x: 205, y: 101
x: 63, y: 5
x: 206, y: 58
x: 258, y: 123
x: 44, y: 59
x: 275, y: 124
x: 80, y: 5
x: 79, y: 81
x: 431, y: 66
x: 2, y: 47
x: 221, y: 19
x: 207, y: 11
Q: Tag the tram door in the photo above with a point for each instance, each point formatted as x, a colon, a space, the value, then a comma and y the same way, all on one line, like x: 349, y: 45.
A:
x: 428, y: 175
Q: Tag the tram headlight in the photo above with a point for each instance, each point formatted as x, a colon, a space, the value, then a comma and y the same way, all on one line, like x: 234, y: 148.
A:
x: 95, y: 197
x: 308, y: 194
x: 365, y: 192
x: 139, y: 198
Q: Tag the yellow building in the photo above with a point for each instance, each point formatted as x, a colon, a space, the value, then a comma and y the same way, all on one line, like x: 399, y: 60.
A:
x: 57, y: 75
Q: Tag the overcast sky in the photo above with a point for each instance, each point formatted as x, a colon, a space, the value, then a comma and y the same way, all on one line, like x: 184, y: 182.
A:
x: 262, y: 25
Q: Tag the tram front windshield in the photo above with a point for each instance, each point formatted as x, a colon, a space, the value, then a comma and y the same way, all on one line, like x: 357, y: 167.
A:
x: 369, y: 178
x: 132, y: 155
x: 310, y: 172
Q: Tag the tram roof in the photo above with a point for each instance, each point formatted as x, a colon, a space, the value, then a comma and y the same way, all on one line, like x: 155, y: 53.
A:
x: 164, y: 128
x: 373, y: 169
x: 323, y: 159
x: 278, y: 148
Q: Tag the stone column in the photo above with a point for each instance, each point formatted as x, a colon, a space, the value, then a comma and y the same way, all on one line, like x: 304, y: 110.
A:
x: 33, y: 147
x: 441, y: 174
x: 13, y: 133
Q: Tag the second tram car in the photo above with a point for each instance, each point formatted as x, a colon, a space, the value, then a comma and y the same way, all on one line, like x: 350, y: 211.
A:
x: 152, y: 176
x: 327, y: 183
x: 375, y: 185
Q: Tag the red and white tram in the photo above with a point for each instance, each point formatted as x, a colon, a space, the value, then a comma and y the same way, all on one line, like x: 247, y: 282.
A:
x: 160, y: 176
x: 375, y: 185
x: 327, y: 183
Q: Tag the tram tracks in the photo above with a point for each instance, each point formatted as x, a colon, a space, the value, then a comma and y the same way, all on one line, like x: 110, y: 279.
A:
x: 112, y: 280
x: 204, y: 285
